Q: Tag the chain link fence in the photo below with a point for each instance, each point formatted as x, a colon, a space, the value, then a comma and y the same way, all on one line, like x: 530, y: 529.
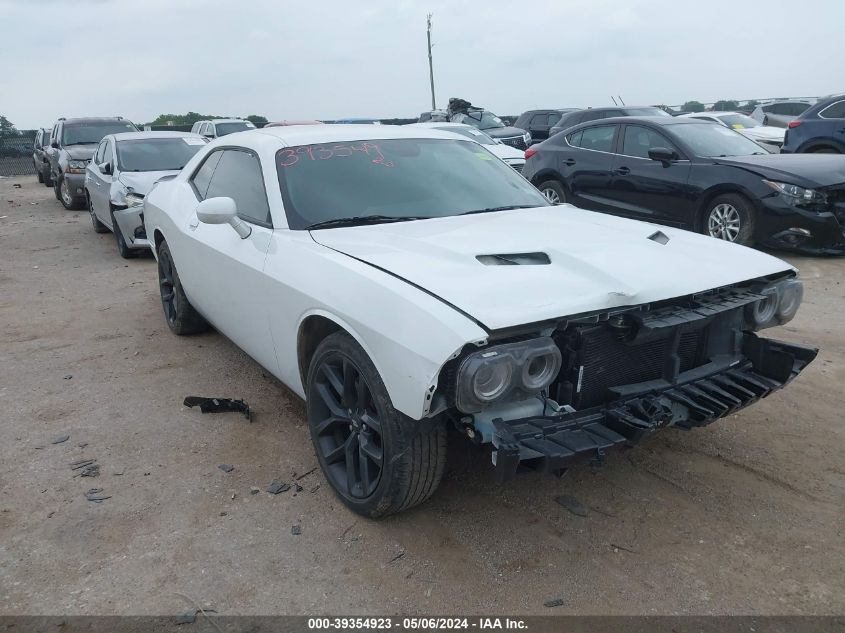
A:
x: 16, y: 154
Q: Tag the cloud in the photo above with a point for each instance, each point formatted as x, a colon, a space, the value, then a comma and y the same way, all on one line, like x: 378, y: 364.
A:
x: 335, y: 58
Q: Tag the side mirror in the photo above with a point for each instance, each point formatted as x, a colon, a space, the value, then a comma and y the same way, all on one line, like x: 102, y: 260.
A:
x: 106, y: 168
x: 663, y: 154
x: 54, y: 145
x: 222, y: 211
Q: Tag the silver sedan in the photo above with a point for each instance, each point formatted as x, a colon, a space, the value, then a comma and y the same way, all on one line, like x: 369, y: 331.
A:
x: 123, y: 170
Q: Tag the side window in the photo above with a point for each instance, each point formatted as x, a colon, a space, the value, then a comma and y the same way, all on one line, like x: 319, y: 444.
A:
x: 538, y: 120
x: 554, y: 117
x: 768, y: 109
x: 209, y: 128
x: 574, y: 139
x: 55, y: 135
x: 598, y: 138
x: 238, y: 176
x: 107, y: 153
x: 101, y: 150
x: 834, y: 111
x: 638, y: 140
x: 202, y: 177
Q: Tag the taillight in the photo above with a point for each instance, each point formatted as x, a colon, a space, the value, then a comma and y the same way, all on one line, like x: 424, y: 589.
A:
x: 529, y: 153
x: 793, y: 124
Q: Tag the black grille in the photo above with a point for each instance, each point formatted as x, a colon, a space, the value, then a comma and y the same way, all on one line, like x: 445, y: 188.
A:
x: 608, y: 362
x: 515, y: 141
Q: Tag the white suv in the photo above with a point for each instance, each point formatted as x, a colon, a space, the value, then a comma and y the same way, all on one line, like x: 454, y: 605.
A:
x: 221, y: 127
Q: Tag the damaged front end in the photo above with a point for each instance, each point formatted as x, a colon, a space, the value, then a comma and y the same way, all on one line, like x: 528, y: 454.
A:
x: 624, y: 375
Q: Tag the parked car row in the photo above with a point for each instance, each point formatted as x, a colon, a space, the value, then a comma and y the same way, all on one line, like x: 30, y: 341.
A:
x: 405, y: 280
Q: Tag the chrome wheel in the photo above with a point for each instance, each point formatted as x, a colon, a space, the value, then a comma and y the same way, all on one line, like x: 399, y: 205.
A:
x: 551, y: 195
x: 65, y: 193
x: 724, y: 222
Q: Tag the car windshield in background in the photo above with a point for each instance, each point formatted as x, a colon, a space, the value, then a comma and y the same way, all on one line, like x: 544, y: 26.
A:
x: 93, y: 133
x: 228, y: 128
x: 646, y: 112
x: 156, y: 154
x: 738, y: 121
x: 394, y: 179
x: 476, y: 135
x: 714, y: 140
x: 483, y: 120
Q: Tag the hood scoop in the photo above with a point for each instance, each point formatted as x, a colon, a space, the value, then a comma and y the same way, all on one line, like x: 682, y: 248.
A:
x: 515, y: 259
x: 660, y: 237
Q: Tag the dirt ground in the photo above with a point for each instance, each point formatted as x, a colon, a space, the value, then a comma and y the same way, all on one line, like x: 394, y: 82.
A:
x: 745, y: 516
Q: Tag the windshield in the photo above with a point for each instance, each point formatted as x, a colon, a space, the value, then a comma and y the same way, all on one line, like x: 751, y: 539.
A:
x: 399, y: 178
x: 738, y: 121
x: 470, y: 132
x: 714, y: 140
x: 228, y: 128
x: 156, y: 154
x: 93, y: 133
x: 483, y: 120
x: 646, y: 112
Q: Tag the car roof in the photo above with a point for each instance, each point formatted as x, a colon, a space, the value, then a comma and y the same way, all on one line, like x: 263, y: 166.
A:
x: 223, y: 121
x: 656, y: 119
x: 89, y: 119
x: 305, y: 134
x: 711, y: 113
x: 441, y: 124
x: 137, y: 136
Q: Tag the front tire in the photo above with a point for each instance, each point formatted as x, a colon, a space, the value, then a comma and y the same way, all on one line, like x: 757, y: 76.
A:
x: 122, y: 246
x: 180, y: 315
x: 47, y: 177
x: 99, y: 227
x: 729, y: 217
x: 377, y: 460
x: 554, y: 191
x: 68, y: 200
x: 40, y: 176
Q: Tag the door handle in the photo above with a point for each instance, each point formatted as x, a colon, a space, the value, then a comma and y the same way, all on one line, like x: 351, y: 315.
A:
x: 622, y: 171
x: 569, y: 162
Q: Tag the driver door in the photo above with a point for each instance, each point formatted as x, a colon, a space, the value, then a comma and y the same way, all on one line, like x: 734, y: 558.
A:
x: 223, y: 271
x: 99, y: 184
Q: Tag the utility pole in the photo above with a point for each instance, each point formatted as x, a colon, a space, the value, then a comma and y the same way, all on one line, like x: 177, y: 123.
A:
x: 430, y: 63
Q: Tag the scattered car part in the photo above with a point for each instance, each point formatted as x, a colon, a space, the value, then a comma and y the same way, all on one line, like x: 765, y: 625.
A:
x: 96, y: 495
x: 226, y: 468
x: 277, y: 487
x: 218, y: 405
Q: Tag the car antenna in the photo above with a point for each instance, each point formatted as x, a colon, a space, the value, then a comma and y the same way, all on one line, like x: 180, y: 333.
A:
x: 620, y: 99
x: 614, y: 100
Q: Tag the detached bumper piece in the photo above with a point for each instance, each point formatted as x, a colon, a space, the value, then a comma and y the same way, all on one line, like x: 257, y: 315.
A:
x: 552, y: 443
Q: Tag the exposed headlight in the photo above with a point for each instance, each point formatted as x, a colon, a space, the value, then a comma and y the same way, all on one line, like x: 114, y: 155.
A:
x: 779, y: 306
x: 527, y: 138
x: 513, y: 371
x: 797, y: 195
x: 134, y: 200
x: 76, y: 166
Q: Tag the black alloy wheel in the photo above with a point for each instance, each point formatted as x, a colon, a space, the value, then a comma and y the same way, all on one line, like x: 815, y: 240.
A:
x: 347, y: 427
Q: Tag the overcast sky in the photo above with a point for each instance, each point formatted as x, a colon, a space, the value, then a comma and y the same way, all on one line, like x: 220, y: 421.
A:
x: 342, y: 58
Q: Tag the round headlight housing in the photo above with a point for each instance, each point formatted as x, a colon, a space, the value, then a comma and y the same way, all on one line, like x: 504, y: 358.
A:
x: 508, y: 372
x: 492, y: 380
x: 779, y: 305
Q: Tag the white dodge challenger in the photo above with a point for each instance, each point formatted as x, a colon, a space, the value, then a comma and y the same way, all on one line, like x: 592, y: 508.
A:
x: 404, y: 281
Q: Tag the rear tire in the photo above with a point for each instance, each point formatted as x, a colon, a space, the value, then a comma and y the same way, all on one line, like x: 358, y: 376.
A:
x: 180, y: 315
x: 377, y: 460
x: 729, y: 217
x: 826, y: 150
x: 554, y: 191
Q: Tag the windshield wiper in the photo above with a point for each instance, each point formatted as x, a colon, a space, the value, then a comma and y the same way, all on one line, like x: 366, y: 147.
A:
x: 507, y: 208
x: 362, y: 220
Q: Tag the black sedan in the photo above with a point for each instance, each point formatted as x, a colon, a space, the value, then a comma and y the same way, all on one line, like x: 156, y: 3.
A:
x: 695, y: 175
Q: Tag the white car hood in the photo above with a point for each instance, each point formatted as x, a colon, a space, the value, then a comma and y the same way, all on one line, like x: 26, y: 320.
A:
x: 506, y: 152
x: 142, y: 181
x: 597, y: 261
x: 764, y: 133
